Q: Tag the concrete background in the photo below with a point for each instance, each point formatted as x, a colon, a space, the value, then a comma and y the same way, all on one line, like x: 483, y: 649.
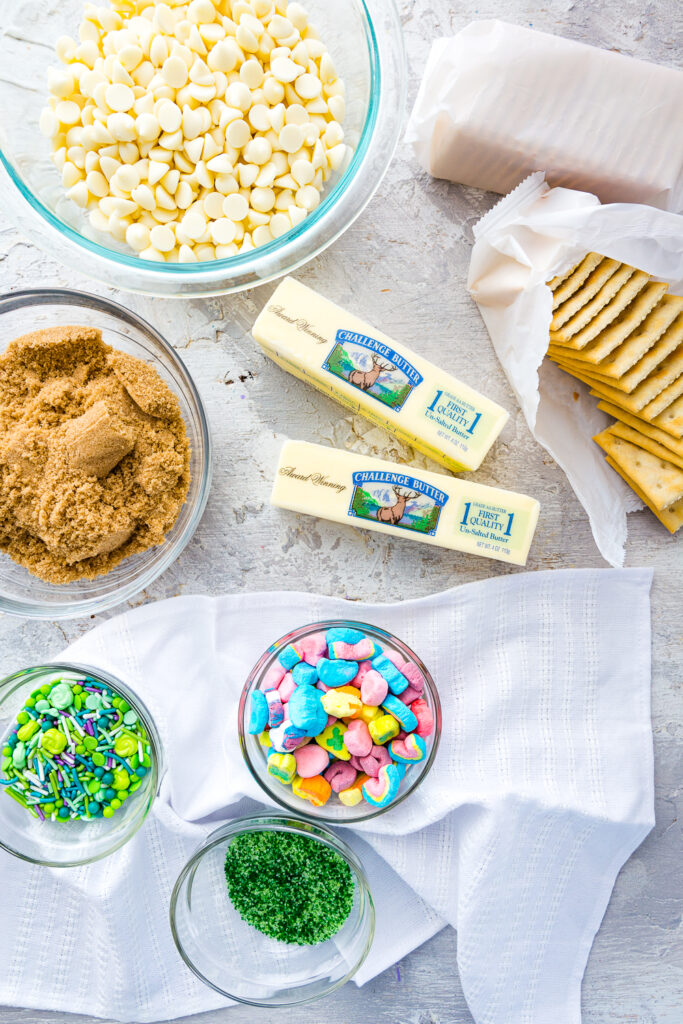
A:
x: 404, y: 265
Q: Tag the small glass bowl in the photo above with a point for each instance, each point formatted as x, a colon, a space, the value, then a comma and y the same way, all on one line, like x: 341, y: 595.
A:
x: 24, y: 594
x: 365, y: 40
x: 334, y: 810
x: 240, y: 962
x: 69, y: 844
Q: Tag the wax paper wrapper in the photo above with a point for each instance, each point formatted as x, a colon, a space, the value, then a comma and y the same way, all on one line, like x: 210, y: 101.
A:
x: 499, y: 101
x: 530, y: 236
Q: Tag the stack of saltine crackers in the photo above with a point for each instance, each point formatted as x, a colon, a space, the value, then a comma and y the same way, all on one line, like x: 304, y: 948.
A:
x: 620, y: 332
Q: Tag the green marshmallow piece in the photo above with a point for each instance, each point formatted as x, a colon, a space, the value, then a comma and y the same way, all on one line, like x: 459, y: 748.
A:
x: 42, y: 705
x: 54, y: 741
x: 121, y: 779
x: 98, y: 759
x: 93, y: 702
x: 130, y: 718
x: 90, y: 742
x: 94, y: 786
x: 28, y: 730
x: 61, y: 696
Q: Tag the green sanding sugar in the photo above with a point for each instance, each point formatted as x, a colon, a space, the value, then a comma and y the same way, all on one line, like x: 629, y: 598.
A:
x: 289, y: 886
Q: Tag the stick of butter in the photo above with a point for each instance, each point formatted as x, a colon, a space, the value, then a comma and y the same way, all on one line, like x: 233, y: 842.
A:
x: 404, y: 502
x: 365, y: 370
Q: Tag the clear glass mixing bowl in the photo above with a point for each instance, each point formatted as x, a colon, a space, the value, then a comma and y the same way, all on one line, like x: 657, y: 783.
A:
x: 68, y: 844
x: 366, y: 43
x: 24, y: 594
x: 240, y: 962
x: 334, y: 811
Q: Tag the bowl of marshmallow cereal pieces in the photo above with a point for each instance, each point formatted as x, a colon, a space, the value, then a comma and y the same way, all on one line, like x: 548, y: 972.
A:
x: 273, y: 910
x: 105, y: 455
x: 80, y: 764
x: 339, y: 721
x: 198, y: 147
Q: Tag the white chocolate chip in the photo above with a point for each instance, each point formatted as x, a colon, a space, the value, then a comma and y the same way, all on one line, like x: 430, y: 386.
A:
x: 235, y: 207
x: 222, y: 231
x: 291, y: 138
x: 285, y: 70
x: 238, y: 133
x: 308, y: 86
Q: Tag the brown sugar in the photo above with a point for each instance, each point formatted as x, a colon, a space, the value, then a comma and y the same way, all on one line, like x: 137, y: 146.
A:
x: 94, y: 454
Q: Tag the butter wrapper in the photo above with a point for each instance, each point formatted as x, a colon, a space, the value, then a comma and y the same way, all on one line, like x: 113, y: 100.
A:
x: 526, y: 239
x: 499, y: 101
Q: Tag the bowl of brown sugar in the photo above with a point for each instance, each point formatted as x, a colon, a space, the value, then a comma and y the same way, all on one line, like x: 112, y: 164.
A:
x: 105, y: 455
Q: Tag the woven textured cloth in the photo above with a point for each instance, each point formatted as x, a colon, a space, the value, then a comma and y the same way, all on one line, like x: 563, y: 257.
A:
x: 541, y: 789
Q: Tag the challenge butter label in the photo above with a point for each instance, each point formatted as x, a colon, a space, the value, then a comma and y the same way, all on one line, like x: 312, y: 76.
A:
x: 397, y: 499
x: 373, y: 367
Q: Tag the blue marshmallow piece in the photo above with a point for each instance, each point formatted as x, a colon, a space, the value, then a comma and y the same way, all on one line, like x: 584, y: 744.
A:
x: 344, y: 634
x: 258, y: 713
x: 336, y: 673
x: 304, y: 673
x: 289, y: 656
x: 401, y: 712
x: 396, y: 682
x: 306, y: 711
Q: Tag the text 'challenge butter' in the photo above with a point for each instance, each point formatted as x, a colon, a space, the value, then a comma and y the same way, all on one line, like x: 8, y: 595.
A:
x: 365, y: 370
x: 406, y: 502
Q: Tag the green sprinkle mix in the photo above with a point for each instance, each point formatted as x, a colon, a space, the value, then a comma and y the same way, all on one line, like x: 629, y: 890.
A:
x: 288, y: 886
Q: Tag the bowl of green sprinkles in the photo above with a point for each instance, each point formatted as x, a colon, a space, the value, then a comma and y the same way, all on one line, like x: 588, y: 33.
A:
x: 80, y: 764
x: 272, y: 910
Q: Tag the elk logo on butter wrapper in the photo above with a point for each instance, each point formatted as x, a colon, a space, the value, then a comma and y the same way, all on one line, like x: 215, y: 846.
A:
x: 397, y: 499
x: 372, y: 367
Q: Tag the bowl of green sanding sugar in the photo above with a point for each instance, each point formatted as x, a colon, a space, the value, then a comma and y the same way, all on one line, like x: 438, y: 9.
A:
x: 80, y: 764
x: 273, y: 910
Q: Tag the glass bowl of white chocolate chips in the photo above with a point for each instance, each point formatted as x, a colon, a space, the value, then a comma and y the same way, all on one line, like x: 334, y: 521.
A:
x: 195, y: 147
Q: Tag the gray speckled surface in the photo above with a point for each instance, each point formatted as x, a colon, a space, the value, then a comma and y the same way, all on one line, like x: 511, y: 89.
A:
x: 403, y: 265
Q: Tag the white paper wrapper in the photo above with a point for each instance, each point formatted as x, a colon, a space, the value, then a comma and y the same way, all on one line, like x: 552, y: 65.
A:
x: 499, y: 101
x: 527, y: 238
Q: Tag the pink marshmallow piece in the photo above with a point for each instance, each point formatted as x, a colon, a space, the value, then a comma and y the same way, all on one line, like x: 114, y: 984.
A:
x: 365, y: 648
x: 425, y: 718
x: 414, y: 676
x: 313, y: 648
x: 381, y: 754
x: 286, y: 688
x: 355, y: 763
x: 370, y: 765
x: 375, y: 760
x: 363, y: 669
x: 357, y: 738
x: 273, y: 677
x: 310, y: 760
x: 340, y: 775
x: 323, y: 686
x: 373, y: 688
x: 396, y: 659
x: 409, y: 695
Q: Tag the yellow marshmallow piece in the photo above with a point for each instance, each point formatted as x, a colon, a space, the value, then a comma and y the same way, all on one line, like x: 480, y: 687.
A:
x: 341, y: 705
x: 332, y: 740
x: 383, y: 729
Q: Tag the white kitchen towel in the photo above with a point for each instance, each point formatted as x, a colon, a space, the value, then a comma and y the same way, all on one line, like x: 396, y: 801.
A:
x: 532, y: 234
x: 541, y: 789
